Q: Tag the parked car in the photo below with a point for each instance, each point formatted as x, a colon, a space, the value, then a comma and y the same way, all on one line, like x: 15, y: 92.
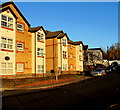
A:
x: 98, y: 72
x: 114, y: 66
x: 109, y: 69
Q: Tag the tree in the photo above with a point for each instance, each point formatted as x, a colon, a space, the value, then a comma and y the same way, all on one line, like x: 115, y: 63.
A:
x: 113, y: 53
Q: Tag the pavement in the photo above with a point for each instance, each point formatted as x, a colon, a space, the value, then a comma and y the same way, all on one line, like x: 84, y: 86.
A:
x: 100, y: 93
x: 27, y: 88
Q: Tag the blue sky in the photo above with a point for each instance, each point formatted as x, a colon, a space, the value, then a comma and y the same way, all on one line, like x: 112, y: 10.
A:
x: 94, y: 23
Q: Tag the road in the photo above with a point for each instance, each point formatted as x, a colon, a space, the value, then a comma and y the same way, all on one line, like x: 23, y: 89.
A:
x: 101, y: 93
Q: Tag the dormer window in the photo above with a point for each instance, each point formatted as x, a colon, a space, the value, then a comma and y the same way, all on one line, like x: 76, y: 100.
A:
x: 7, y: 21
x: 20, y: 27
x: 40, y: 37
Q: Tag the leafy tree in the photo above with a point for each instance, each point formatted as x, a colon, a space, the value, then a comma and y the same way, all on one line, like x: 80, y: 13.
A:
x: 113, y: 53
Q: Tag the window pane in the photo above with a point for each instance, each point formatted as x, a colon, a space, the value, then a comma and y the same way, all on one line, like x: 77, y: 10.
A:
x: 2, y: 45
x: 10, y: 65
x: 10, y: 25
x: 3, y: 39
x: 5, y: 46
x: 20, y: 27
x: 10, y: 19
x: 20, y: 67
x: 40, y: 69
x: 4, y: 23
x: 4, y: 17
x: 9, y: 71
x: 3, y: 65
x: 8, y: 46
x: 3, y: 71
x: 20, y: 46
x: 10, y: 41
x: 11, y: 46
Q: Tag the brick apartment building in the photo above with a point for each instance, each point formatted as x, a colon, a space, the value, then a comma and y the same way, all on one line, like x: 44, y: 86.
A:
x: 33, y: 50
x: 62, y: 54
x: 22, y: 49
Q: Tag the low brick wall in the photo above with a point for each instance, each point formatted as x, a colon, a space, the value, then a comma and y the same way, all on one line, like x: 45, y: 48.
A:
x: 9, y: 83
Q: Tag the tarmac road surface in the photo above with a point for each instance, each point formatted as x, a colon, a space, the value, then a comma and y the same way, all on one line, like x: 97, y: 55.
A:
x: 100, y: 93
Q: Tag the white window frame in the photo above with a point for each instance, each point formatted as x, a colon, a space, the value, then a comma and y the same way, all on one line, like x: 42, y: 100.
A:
x: 40, y: 68
x: 80, y: 57
x: 20, y: 48
x: 21, y: 29
x: 64, y: 41
x: 6, y: 43
x: 65, y: 67
x: 40, y: 36
x: 40, y: 51
x: 6, y: 67
x: 8, y: 22
x: 20, y: 67
x: 64, y: 54
x: 80, y: 47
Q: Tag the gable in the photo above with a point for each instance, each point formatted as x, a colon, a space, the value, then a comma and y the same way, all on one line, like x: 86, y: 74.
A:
x: 9, y: 11
x: 16, y: 11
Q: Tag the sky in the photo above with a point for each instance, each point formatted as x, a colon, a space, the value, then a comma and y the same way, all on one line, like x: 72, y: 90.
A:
x: 94, y: 23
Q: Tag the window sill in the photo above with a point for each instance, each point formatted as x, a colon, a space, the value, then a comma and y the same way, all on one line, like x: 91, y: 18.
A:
x: 7, y: 50
x: 20, y: 51
x: 40, y: 56
x: 41, y: 41
x: 7, y: 28
x: 22, y: 32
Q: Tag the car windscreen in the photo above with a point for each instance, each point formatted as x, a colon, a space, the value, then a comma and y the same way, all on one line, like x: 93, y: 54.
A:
x: 98, y: 69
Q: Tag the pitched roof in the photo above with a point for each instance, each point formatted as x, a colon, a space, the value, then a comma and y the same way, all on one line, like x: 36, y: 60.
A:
x: 8, y: 8
x: 75, y: 43
x: 10, y: 2
x: 50, y: 34
x: 35, y: 29
x: 85, y: 47
x: 62, y: 35
x: 96, y: 49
